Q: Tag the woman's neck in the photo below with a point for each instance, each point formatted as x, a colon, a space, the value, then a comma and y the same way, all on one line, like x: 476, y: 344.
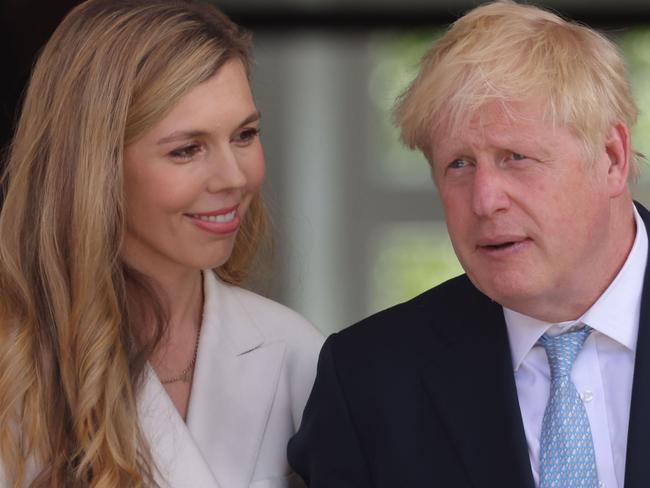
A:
x: 180, y: 293
x: 182, y: 297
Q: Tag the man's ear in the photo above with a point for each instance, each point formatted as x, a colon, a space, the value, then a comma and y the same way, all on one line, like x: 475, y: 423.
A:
x: 618, y: 150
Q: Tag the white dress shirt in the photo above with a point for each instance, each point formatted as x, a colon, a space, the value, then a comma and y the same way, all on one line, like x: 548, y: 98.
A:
x: 602, y: 372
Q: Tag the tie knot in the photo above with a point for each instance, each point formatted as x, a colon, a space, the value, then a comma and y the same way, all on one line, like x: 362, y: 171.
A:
x: 563, y: 349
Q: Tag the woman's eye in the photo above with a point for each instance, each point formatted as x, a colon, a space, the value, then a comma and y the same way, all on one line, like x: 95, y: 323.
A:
x: 185, y: 152
x: 246, y: 136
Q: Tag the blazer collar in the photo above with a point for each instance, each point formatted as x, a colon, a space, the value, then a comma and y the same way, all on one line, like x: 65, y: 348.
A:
x: 637, y: 468
x: 471, y: 385
x: 178, y: 459
x: 235, y: 379
x: 223, y: 310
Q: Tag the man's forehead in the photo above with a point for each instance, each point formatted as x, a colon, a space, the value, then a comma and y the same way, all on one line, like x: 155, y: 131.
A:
x: 497, y: 123
x: 523, y: 115
x: 509, y: 113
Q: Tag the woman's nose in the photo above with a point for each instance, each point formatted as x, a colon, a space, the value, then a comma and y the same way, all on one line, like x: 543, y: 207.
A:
x: 226, y: 172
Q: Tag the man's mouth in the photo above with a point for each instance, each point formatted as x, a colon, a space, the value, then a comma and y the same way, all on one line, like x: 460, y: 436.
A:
x: 503, y: 245
x: 500, y: 245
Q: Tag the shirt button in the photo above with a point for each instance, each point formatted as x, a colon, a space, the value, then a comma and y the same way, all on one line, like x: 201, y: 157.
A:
x: 601, y: 484
x: 586, y: 396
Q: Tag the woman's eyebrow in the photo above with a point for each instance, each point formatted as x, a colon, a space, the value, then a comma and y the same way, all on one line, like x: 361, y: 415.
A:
x: 181, y: 134
x: 189, y: 134
x: 254, y: 117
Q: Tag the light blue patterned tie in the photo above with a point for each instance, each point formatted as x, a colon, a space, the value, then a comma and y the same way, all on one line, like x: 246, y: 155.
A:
x: 567, y: 450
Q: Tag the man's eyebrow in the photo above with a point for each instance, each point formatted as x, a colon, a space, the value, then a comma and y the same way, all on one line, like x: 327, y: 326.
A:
x: 189, y: 134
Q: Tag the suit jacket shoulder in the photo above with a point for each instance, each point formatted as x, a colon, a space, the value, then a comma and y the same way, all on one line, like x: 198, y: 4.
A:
x: 450, y: 312
x: 397, y: 395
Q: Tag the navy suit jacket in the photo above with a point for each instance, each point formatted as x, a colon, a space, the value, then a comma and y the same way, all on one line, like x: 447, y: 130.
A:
x: 423, y: 395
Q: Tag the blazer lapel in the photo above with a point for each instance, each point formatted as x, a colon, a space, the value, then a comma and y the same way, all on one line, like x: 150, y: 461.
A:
x: 179, y: 461
x: 471, y: 384
x: 637, y: 467
x: 235, y: 380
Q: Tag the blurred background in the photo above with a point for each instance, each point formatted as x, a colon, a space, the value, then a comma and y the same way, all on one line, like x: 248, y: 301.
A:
x: 357, y: 223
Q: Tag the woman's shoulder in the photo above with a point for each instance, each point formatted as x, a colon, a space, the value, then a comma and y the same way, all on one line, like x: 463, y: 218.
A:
x: 274, y: 320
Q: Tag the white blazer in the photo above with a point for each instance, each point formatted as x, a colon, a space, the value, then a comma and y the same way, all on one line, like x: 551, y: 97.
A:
x: 254, y: 370
x: 255, y: 367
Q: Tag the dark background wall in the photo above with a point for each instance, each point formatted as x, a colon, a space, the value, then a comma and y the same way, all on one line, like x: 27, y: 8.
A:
x: 25, y: 25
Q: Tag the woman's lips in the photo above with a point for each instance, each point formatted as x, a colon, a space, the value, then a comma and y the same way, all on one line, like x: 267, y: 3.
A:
x: 223, y: 221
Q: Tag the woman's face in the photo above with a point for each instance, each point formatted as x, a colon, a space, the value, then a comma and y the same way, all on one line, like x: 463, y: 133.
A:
x: 190, y: 179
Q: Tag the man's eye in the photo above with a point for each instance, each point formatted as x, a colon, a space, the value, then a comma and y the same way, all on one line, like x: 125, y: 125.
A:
x: 247, y: 136
x: 458, y: 163
x: 517, y: 157
x: 185, y: 152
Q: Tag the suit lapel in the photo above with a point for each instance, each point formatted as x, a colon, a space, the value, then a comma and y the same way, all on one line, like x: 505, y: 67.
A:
x: 177, y: 457
x: 637, y: 467
x: 471, y: 384
x: 235, y: 381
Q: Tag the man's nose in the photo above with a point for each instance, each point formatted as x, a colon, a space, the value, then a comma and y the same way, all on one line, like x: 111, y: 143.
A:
x: 489, y: 193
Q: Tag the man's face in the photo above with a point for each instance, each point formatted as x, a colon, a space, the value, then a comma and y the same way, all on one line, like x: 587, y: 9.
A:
x: 528, y: 214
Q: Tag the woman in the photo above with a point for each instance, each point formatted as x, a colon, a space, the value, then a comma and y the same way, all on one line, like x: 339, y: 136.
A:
x: 128, y: 354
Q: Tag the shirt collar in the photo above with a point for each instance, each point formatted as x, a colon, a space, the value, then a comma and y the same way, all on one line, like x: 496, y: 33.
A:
x: 615, y: 314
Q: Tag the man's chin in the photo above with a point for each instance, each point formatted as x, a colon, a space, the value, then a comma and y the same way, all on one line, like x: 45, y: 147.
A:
x: 512, y: 289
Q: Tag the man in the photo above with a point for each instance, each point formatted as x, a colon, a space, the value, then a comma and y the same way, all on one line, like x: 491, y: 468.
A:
x: 533, y: 369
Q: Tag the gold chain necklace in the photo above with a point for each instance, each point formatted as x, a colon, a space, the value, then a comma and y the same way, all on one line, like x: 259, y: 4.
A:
x: 186, y: 375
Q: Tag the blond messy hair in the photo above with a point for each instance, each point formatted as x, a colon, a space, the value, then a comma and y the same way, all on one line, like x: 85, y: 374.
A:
x: 70, y: 359
x: 506, y: 52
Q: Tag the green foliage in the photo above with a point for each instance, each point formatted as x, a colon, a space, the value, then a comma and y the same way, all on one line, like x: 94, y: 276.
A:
x: 635, y: 44
x: 410, y: 259
x: 396, y: 60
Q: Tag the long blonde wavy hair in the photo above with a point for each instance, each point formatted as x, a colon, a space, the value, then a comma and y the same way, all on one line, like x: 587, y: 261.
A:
x: 70, y: 363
